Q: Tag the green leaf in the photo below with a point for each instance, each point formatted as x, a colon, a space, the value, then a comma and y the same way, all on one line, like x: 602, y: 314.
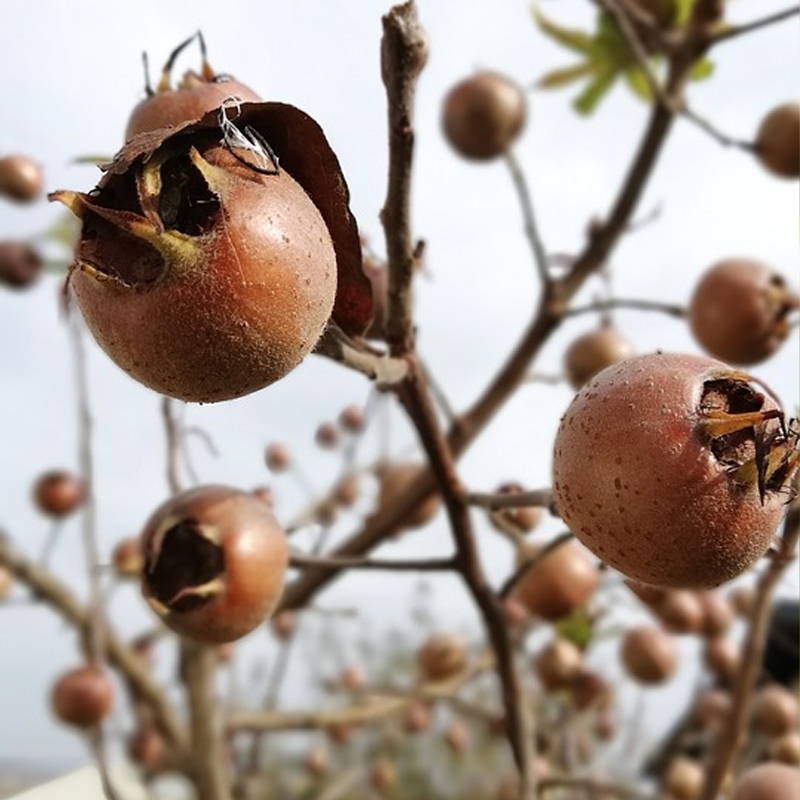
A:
x: 702, y: 70
x: 557, y: 78
x: 578, y: 628
x: 683, y: 10
x: 579, y: 41
x: 587, y: 101
x: 637, y: 80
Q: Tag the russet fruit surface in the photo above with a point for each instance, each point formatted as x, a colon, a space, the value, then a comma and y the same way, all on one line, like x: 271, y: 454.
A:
x: 658, y: 471
x: 768, y: 781
x: 215, y: 562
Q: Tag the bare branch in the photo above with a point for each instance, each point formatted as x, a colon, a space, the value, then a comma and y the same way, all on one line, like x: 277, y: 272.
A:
x: 733, y: 728
x: 540, y: 258
x: 670, y: 309
x: 404, y: 52
x: 535, y: 497
x: 726, y: 34
x: 47, y: 588
x: 301, y: 561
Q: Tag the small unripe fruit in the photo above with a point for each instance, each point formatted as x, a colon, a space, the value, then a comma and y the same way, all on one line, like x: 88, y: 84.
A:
x: 417, y: 718
x: 327, y: 435
x: 394, y: 478
x: 283, y: 624
x: 20, y: 264
x: 785, y: 749
x: 353, y: 419
x: 775, y: 710
x: 382, y: 775
x: 443, y: 656
x: 722, y: 657
x: 21, y: 178
x: 717, y: 614
x: 557, y: 584
x: 649, y: 654
x: 680, y: 611
x: 593, y: 352
x: 457, y: 737
x: 739, y: 311
x: 127, y: 558
x: 83, y: 697
x: 673, y: 469
x: 347, y: 490
x: 317, y: 760
x: 58, y: 493
x: 742, y: 600
x: 340, y: 732
x: 354, y: 678
x: 147, y: 748
x: 558, y: 664
x: 278, y: 457
x: 517, y: 519
x: 777, y: 141
x: 215, y: 561
x: 683, y: 779
x: 590, y: 690
x: 483, y: 115
x: 767, y: 782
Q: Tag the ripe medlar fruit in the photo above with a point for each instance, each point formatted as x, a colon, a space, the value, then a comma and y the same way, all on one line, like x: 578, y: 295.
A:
x: 58, y: 493
x: 740, y: 309
x: 215, y: 561
x: 515, y: 519
x: 83, y: 696
x: 195, y: 94
x: 21, y: 178
x: 673, y: 469
x: 394, y: 479
x: 483, y: 115
x: 594, y: 351
x: 777, y: 141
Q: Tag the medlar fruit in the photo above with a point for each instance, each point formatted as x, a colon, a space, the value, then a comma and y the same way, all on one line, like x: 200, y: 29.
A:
x: 83, y: 697
x: 739, y: 311
x: 215, y: 561
x: 777, y: 139
x: 674, y: 469
x: 483, y: 115
x: 195, y: 94
x: 21, y: 178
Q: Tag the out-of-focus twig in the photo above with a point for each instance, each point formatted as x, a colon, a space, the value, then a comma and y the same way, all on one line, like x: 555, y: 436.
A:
x: 734, y: 726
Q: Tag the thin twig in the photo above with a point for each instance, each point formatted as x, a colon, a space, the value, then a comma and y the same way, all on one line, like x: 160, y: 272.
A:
x: 94, y: 640
x: 726, y: 34
x: 732, y: 737
x: 611, y: 303
x: 535, y: 497
x: 141, y: 684
x: 540, y: 258
x: 715, y: 133
x: 590, y: 787
x: 302, y: 561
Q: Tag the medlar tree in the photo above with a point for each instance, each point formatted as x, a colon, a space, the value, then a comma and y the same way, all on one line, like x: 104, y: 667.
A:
x: 219, y: 249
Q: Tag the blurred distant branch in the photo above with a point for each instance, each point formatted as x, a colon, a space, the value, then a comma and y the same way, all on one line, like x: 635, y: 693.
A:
x: 46, y: 587
x: 302, y: 561
x: 733, y: 728
x: 671, y: 309
x: 734, y: 31
x: 535, y: 497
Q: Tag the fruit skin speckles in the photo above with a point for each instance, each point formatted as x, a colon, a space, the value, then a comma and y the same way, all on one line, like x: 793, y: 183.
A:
x: 654, y: 470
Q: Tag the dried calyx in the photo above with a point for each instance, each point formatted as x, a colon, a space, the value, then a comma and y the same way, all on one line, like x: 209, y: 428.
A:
x: 755, y: 445
x: 185, y: 566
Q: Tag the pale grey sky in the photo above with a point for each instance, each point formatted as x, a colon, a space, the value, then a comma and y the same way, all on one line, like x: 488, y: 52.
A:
x: 74, y: 72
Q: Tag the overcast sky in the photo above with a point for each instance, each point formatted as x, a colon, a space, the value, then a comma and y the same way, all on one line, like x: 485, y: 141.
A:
x: 73, y: 72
